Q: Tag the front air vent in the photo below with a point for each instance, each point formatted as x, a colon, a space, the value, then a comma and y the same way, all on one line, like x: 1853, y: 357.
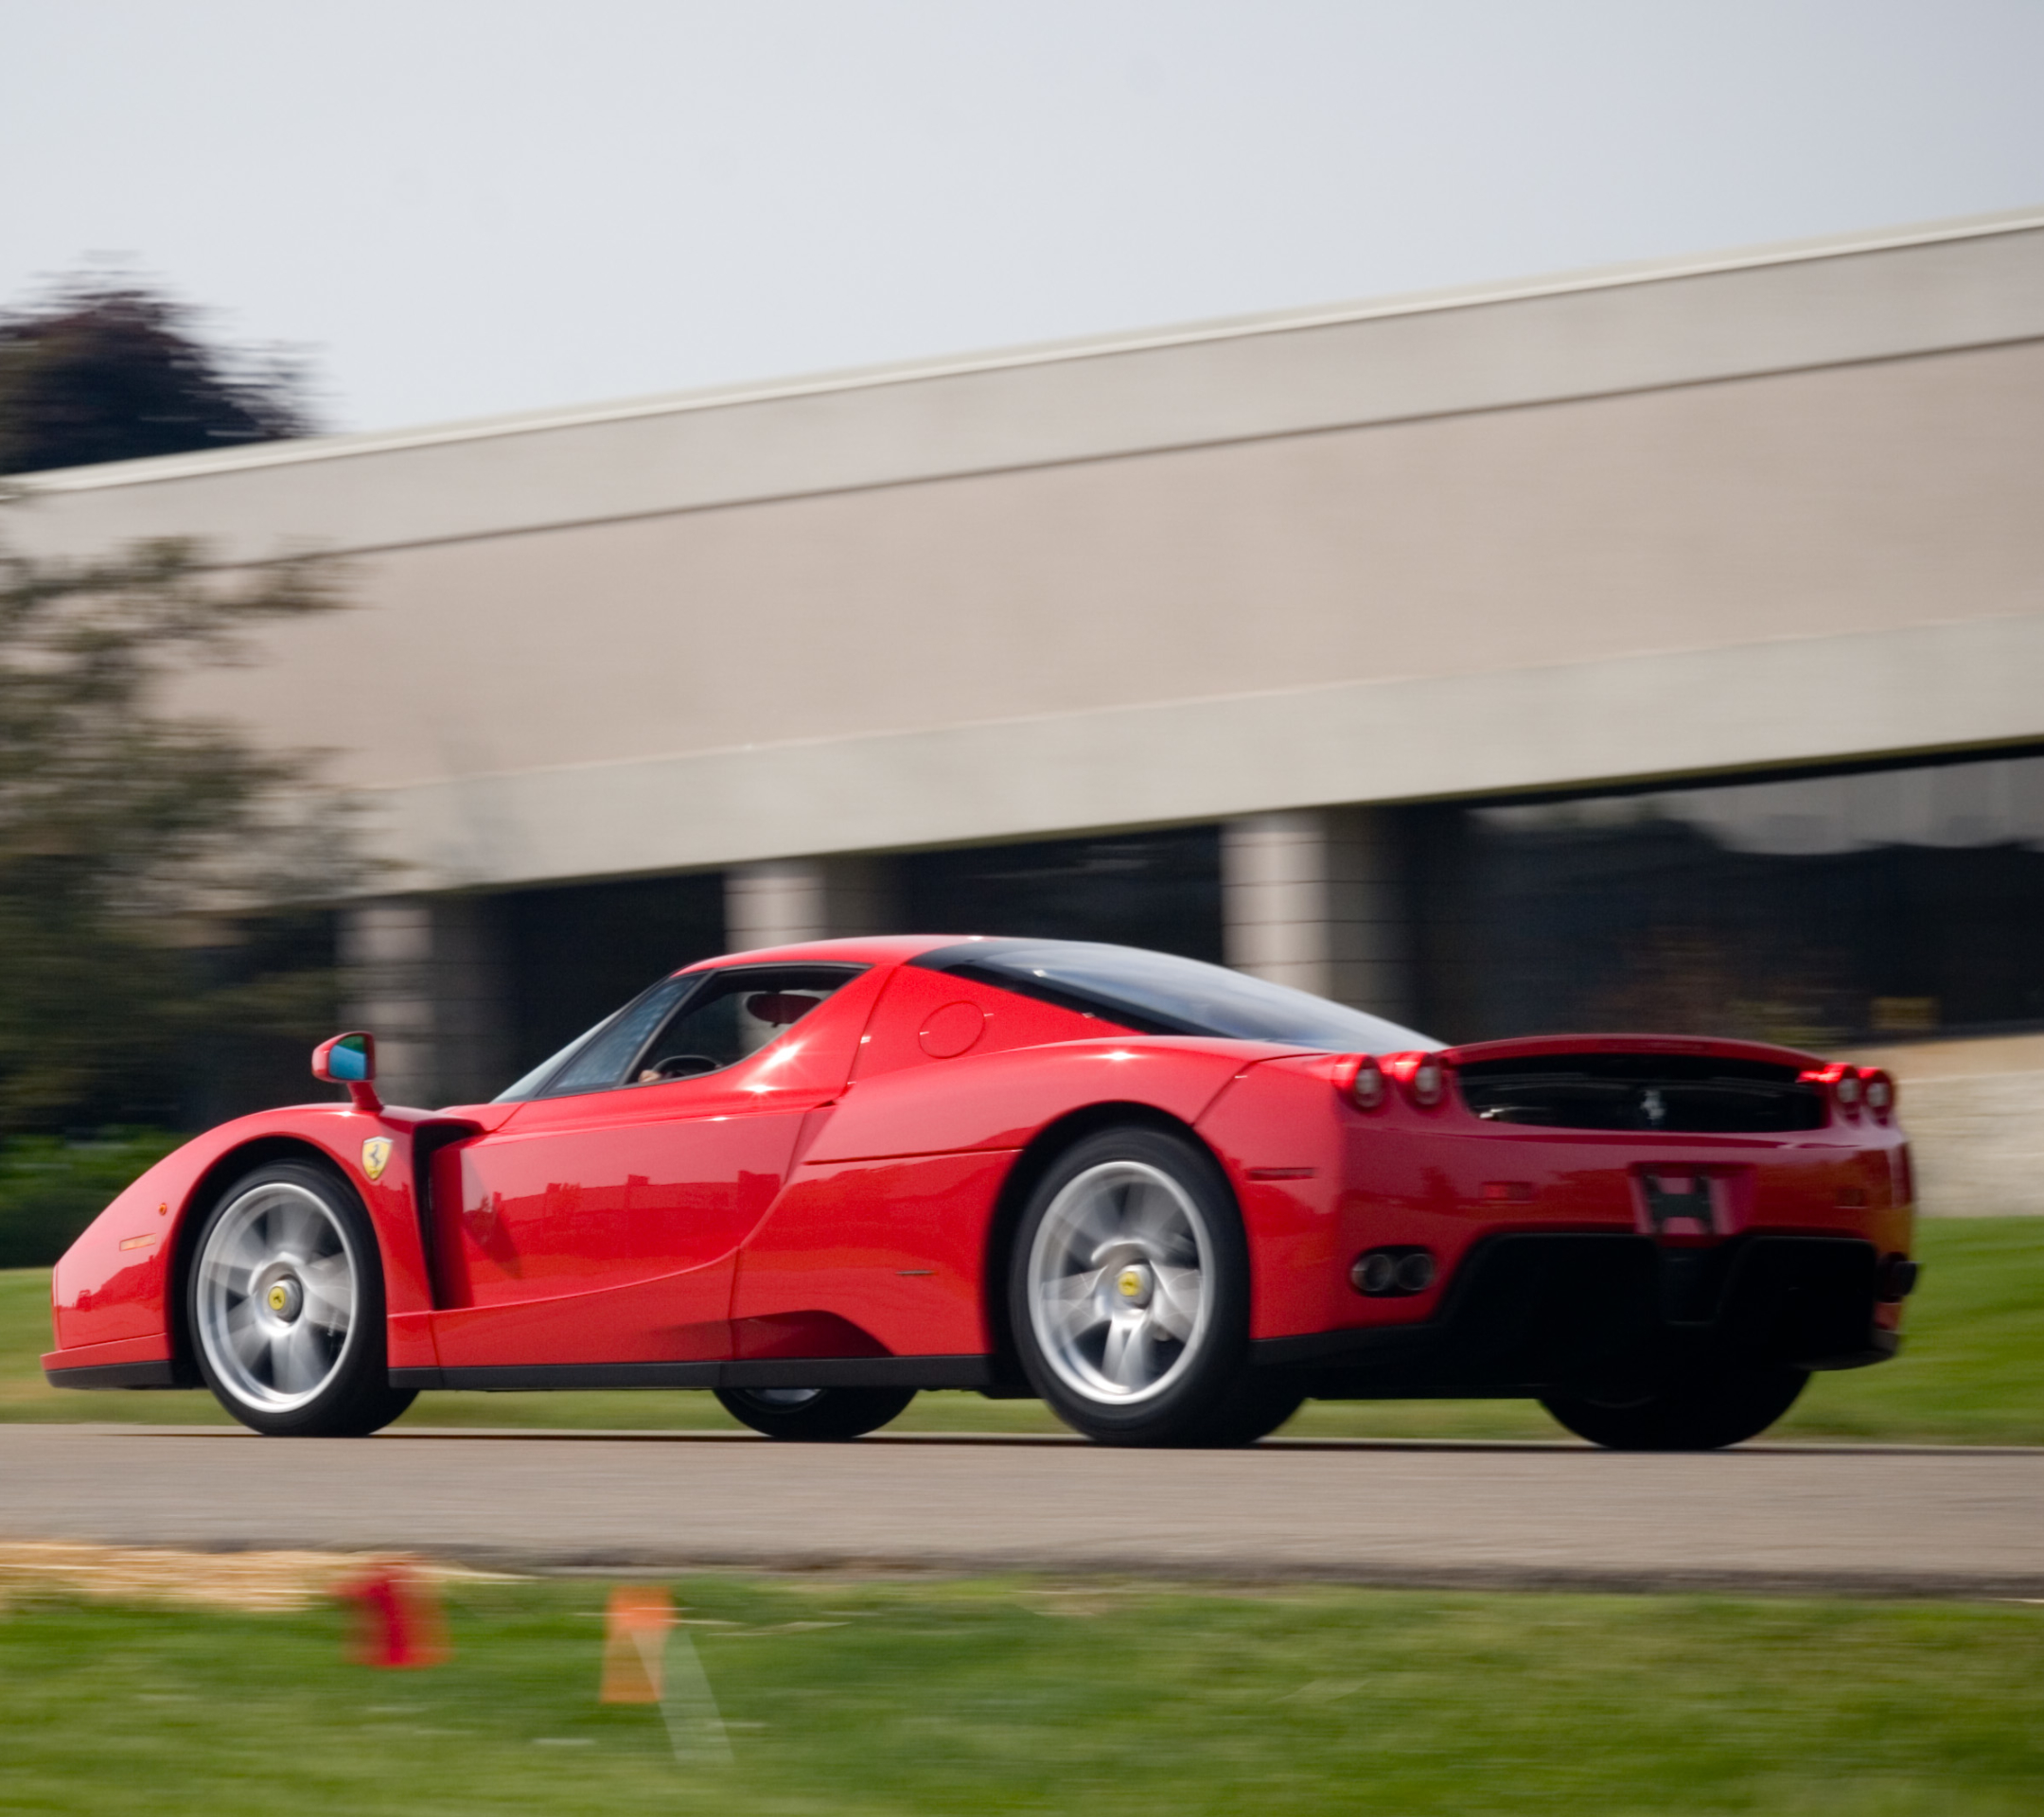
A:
x: 1657, y: 1093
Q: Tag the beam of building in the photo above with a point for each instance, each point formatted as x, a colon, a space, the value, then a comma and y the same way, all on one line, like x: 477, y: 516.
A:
x: 1712, y: 515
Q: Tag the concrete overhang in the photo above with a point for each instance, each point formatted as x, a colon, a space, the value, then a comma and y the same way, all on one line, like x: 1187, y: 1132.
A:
x: 1831, y: 301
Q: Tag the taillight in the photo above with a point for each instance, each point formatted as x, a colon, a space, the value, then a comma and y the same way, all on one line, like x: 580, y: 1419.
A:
x: 1841, y: 1084
x: 1423, y: 1075
x: 1878, y: 1091
x: 1429, y: 1083
x: 1367, y: 1087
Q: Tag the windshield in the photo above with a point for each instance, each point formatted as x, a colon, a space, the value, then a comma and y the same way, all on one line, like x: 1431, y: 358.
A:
x: 1160, y: 994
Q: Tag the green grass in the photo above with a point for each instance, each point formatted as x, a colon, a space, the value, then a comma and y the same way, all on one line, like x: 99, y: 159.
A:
x: 1971, y: 1372
x: 51, y: 1190
x: 1016, y: 1696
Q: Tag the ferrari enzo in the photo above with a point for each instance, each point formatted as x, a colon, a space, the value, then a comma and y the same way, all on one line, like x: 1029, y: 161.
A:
x: 1171, y: 1200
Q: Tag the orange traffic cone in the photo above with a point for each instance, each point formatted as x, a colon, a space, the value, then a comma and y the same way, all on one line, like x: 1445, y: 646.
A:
x: 398, y: 1620
x: 635, y: 1644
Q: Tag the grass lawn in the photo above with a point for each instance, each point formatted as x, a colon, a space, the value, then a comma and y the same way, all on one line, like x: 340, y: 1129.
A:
x: 847, y: 1697
x: 1971, y: 1372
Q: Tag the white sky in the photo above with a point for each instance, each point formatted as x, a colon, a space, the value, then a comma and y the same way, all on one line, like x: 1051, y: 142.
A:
x: 458, y: 208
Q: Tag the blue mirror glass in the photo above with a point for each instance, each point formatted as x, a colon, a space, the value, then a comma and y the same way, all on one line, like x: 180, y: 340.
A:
x: 348, y: 1059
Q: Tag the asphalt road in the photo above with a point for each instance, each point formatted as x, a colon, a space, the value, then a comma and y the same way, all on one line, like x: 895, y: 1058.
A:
x: 1834, y: 1520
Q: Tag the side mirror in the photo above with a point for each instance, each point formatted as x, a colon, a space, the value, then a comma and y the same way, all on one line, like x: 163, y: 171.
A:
x: 349, y: 1060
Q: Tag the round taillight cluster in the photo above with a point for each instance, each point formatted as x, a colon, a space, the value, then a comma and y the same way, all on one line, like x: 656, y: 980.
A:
x: 1427, y: 1082
x: 1366, y: 1087
x: 1421, y: 1076
x: 1853, y: 1089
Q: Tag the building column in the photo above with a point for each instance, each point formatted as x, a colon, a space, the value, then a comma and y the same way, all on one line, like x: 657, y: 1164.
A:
x: 1315, y: 898
x: 424, y: 975
x: 782, y: 902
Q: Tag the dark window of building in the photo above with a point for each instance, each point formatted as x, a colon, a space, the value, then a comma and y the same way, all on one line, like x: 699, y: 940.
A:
x: 575, y: 954
x: 270, y: 997
x: 1814, y: 911
x: 1155, y: 889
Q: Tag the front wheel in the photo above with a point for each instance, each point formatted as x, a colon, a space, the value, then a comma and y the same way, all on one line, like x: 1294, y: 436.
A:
x: 285, y: 1305
x: 1703, y: 1412
x: 815, y: 1413
x: 1129, y: 1297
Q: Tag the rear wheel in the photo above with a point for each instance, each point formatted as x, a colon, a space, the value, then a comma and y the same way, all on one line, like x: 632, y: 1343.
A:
x: 1702, y: 1412
x: 285, y: 1305
x: 815, y: 1413
x: 1129, y: 1297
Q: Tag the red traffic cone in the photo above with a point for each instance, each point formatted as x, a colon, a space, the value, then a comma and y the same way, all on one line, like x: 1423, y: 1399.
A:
x: 398, y: 1620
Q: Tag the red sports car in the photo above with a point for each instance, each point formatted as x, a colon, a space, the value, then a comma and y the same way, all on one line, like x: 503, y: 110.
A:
x: 1172, y: 1200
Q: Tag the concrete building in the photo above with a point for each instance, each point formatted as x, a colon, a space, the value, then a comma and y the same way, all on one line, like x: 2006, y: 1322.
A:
x: 1662, y: 643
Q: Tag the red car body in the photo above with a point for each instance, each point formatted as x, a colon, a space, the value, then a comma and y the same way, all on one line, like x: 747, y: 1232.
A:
x: 835, y: 1209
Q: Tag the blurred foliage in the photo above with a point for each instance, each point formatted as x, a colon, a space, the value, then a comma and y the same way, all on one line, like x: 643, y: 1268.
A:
x: 136, y: 844
x: 51, y: 1189
x: 112, y: 371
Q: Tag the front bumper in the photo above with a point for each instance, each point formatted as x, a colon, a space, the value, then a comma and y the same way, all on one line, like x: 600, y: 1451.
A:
x: 1531, y: 1314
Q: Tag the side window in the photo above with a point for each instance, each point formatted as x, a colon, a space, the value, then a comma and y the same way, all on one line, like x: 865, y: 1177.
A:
x: 732, y: 1015
x: 599, y: 1060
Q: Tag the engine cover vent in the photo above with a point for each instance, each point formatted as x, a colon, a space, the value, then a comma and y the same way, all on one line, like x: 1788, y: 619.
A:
x: 1654, y: 1093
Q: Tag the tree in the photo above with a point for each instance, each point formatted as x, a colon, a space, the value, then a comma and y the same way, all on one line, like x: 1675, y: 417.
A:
x: 115, y: 372
x: 128, y: 831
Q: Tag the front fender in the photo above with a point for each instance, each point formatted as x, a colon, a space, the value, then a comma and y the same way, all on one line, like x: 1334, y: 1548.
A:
x: 113, y: 1294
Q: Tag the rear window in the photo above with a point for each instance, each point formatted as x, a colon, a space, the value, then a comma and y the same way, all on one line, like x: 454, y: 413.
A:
x: 1161, y: 993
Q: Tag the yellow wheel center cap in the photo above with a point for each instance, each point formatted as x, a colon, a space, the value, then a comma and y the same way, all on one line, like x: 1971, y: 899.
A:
x: 1131, y: 1283
x: 278, y: 1298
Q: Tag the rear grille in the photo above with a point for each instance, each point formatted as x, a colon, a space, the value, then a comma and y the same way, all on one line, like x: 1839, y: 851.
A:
x: 1674, y: 1094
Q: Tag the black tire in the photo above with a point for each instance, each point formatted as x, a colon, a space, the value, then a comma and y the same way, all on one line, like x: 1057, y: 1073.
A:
x: 1702, y: 1412
x: 815, y: 1414
x: 315, y: 1235
x: 1257, y: 1404
x: 1203, y: 1392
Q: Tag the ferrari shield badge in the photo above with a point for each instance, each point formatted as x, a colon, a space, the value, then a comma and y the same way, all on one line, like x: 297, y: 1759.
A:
x: 375, y: 1157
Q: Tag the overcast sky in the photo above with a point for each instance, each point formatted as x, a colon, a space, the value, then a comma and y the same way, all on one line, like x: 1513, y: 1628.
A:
x: 458, y: 207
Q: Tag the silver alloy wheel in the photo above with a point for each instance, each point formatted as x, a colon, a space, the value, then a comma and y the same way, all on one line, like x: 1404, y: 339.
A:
x: 275, y: 1297
x: 1120, y: 1282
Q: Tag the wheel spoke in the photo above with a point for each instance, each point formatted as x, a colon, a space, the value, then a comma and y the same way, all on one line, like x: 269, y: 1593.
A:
x: 1126, y: 1359
x: 1118, y: 1283
x: 275, y: 1297
x: 1151, y: 1218
x: 286, y: 1364
x: 229, y: 1277
x: 249, y: 1341
x: 1098, y: 1221
x: 1175, y: 1302
x: 296, y: 1229
x: 329, y: 1291
x: 1071, y: 1305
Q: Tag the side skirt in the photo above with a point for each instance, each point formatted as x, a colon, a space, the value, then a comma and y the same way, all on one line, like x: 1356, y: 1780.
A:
x: 118, y: 1375
x: 776, y: 1372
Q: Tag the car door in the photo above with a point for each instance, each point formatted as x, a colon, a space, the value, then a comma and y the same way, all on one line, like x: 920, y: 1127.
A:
x: 599, y: 1223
